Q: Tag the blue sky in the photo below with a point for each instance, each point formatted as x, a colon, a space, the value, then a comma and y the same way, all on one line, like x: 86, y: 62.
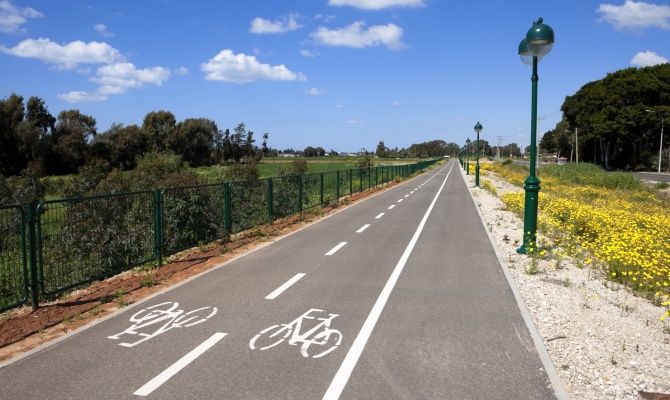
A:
x: 339, y: 74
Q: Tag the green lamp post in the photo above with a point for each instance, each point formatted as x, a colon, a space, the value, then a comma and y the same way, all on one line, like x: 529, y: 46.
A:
x: 467, y: 158
x: 538, y: 42
x: 478, y: 129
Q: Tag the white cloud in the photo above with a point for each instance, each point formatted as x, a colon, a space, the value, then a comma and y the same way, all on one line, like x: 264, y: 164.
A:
x: 12, y: 17
x: 241, y: 68
x: 307, y: 53
x: 396, y: 103
x: 118, y: 78
x: 354, y: 121
x: 81, y: 97
x: 355, y: 35
x: 102, y: 30
x: 377, y: 4
x: 260, y: 25
x: 647, y: 59
x: 315, y: 92
x: 634, y: 15
x: 181, y: 71
x: 66, y: 56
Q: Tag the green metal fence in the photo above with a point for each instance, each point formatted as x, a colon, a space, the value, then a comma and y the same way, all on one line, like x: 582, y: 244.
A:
x: 13, y: 266
x: 54, y: 246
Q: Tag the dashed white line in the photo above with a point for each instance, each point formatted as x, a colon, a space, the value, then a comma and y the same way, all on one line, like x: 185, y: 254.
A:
x: 392, y: 206
x: 163, y: 377
x: 336, y: 248
x: 379, y: 215
x: 412, y: 192
x: 406, y: 196
x: 351, y: 359
x: 362, y: 228
x: 285, y: 286
x: 400, y: 201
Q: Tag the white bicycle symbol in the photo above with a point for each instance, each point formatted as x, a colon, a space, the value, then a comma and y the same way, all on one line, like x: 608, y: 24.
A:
x: 320, y: 335
x: 162, y: 318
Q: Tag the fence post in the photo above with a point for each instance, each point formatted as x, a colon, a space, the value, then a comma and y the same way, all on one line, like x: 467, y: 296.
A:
x: 270, y: 201
x: 376, y: 176
x: 360, y: 180
x: 158, y: 226
x: 32, y: 248
x: 369, y: 177
x: 227, y: 209
x: 351, y: 182
x: 299, y: 193
x: 337, y: 188
x: 321, y: 189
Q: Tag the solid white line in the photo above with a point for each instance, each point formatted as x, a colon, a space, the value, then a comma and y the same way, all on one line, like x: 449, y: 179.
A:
x: 392, y: 206
x: 379, y: 215
x: 179, y: 365
x: 362, y: 228
x: 285, y: 286
x: 342, y: 376
x: 400, y: 201
x: 336, y: 248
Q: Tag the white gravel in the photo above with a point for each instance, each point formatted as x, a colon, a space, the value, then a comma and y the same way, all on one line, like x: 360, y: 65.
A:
x: 605, y: 342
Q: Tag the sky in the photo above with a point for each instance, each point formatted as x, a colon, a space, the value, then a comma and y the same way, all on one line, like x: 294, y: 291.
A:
x: 340, y: 74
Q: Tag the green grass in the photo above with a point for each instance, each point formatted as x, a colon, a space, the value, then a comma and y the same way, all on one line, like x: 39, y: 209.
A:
x: 590, y: 174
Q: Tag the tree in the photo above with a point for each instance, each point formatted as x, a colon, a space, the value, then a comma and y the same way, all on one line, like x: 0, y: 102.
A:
x: 610, y: 114
x: 72, y: 133
x: 11, y: 116
x: 382, y: 151
x: 158, y: 125
x: 193, y: 139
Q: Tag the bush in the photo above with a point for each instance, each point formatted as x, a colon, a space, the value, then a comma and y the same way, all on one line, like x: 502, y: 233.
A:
x: 590, y: 174
x: 507, y: 161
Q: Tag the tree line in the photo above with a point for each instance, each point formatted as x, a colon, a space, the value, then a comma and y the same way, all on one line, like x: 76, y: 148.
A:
x: 616, y: 121
x: 32, y: 141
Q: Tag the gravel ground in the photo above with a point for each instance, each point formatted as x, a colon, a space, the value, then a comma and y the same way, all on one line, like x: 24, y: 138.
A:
x: 605, y: 342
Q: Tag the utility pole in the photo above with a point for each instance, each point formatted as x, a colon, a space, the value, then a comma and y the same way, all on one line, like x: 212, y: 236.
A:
x: 576, y: 145
x: 498, y: 150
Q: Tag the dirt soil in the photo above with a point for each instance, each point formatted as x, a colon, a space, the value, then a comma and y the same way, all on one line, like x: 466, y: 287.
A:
x: 24, y: 329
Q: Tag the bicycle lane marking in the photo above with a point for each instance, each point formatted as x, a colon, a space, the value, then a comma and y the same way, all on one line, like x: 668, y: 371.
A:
x: 285, y: 286
x: 351, y: 359
x: 155, y: 320
x: 173, y: 369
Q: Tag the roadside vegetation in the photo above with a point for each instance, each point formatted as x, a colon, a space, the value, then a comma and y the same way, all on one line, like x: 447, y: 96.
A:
x: 607, y: 220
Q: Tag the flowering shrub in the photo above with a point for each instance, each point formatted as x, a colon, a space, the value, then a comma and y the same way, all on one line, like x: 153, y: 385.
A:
x: 624, y: 231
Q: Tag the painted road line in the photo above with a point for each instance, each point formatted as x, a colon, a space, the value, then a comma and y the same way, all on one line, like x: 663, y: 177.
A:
x: 362, y: 228
x: 400, y: 201
x: 179, y: 365
x: 336, y: 248
x: 392, y: 206
x: 379, y: 215
x: 344, y: 372
x: 412, y: 192
x: 285, y: 286
x: 406, y: 196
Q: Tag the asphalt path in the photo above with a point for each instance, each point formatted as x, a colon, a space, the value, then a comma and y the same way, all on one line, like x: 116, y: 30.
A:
x: 653, y: 176
x: 397, y: 297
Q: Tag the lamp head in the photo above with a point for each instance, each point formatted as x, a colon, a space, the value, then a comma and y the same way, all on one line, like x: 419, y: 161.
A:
x: 467, y: 141
x: 540, y: 38
x: 478, y: 128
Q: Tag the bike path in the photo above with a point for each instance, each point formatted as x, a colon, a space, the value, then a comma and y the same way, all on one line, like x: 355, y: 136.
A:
x: 452, y: 328
x: 88, y: 364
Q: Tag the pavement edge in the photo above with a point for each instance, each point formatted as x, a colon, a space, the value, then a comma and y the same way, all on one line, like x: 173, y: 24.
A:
x: 550, y: 369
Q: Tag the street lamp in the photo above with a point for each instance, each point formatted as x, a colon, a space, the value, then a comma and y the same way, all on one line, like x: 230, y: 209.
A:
x: 467, y: 158
x: 478, y: 129
x: 538, y: 42
x: 660, y: 147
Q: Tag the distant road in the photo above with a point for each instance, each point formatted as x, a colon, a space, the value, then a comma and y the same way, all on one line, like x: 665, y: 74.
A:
x: 653, y: 176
